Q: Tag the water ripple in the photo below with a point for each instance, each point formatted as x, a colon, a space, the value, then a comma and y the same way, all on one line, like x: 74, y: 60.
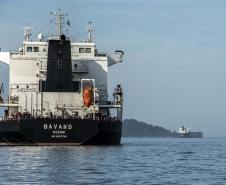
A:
x: 136, y: 161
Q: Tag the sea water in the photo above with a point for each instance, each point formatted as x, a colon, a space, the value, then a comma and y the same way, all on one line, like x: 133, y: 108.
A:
x: 135, y: 161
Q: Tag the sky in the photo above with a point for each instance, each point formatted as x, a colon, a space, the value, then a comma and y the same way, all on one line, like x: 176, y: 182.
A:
x: 174, y: 68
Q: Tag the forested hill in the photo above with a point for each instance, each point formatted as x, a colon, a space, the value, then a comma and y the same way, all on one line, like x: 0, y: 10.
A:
x: 134, y: 128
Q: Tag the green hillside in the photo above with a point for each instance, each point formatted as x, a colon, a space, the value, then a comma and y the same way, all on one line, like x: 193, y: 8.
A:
x: 134, y: 128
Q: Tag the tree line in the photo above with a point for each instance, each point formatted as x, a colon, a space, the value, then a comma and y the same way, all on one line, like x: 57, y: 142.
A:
x: 134, y: 128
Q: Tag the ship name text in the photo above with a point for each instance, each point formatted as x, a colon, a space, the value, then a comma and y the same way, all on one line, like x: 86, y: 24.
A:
x: 57, y: 126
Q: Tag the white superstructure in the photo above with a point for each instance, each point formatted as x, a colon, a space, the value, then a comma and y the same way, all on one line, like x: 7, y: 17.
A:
x: 28, y: 70
x: 183, y: 129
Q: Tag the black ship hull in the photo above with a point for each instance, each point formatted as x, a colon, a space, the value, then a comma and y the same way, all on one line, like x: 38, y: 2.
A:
x: 191, y: 135
x: 60, y: 132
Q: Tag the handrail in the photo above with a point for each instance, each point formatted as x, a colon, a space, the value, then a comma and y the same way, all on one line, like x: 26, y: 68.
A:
x: 100, y: 118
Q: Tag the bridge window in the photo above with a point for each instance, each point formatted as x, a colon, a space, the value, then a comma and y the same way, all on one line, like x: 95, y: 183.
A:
x: 35, y: 49
x: 88, y: 50
x: 84, y: 50
x: 29, y: 49
x: 81, y: 50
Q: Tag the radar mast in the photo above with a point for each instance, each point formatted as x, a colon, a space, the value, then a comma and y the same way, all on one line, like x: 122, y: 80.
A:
x: 90, y: 29
x: 27, y: 33
x: 59, y: 22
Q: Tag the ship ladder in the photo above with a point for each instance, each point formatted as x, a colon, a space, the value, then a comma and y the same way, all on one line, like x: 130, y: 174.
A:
x: 6, y: 140
x: 19, y: 141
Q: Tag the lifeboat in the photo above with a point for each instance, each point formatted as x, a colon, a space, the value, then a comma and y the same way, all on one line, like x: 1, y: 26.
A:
x: 88, y: 96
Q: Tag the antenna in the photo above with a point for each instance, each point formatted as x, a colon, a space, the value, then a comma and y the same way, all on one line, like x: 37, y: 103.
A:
x: 59, y: 22
x: 89, y: 29
x: 27, y: 33
x: 25, y: 16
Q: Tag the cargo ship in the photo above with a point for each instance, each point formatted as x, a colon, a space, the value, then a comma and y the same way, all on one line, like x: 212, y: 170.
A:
x: 58, y: 91
x: 187, y: 133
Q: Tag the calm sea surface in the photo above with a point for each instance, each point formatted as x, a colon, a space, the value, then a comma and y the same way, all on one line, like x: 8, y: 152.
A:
x: 136, y: 161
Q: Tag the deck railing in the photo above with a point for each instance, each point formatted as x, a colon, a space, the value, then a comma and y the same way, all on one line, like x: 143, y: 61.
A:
x: 101, y: 118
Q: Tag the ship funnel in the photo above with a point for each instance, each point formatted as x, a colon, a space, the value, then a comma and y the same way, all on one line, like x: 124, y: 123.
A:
x: 182, y: 128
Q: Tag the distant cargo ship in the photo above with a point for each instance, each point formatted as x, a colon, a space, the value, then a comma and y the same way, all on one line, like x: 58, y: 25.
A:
x: 187, y: 133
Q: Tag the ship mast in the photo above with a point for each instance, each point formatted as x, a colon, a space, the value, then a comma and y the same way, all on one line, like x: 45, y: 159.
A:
x: 27, y: 33
x: 90, y: 29
x: 59, y: 22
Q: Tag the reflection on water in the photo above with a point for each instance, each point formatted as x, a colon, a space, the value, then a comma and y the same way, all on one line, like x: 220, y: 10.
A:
x: 136, y: 161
